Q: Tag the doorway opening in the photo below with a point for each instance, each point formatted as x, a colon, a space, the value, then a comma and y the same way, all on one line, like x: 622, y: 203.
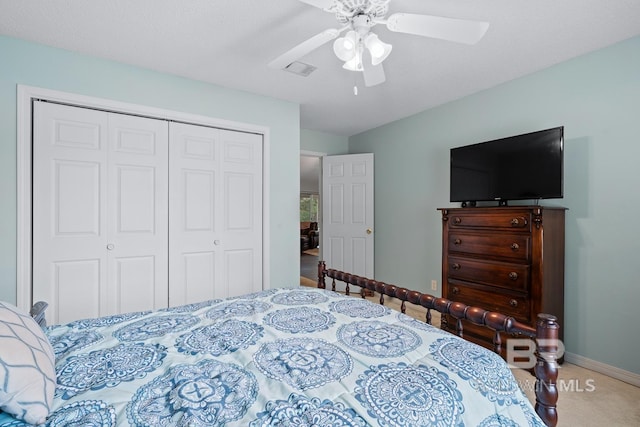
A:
x: 310, y: 211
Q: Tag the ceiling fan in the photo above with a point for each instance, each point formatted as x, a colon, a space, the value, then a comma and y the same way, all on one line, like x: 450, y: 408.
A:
x: 361, y: 49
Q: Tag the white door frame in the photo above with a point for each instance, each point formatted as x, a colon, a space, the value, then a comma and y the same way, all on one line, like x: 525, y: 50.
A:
x: 25, y: 96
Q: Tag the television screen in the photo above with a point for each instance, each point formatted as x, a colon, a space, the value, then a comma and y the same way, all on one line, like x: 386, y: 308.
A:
x: 528, y: 166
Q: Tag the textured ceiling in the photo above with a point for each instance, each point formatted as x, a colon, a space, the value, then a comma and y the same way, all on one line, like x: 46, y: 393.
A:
x: 230, y: 43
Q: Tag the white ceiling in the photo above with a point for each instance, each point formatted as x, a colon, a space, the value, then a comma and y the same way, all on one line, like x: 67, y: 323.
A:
x: 230, y: 43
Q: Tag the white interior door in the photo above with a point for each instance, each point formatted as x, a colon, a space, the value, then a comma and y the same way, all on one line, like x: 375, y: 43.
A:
x: 347, y: 213
x: 100, y: 212
x: 215, y: 228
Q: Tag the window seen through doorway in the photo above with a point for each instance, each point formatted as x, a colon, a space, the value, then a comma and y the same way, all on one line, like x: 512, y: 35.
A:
x: 309, y: 207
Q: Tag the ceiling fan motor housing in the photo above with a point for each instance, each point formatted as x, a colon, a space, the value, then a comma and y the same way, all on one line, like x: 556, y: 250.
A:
x: 347, y: 10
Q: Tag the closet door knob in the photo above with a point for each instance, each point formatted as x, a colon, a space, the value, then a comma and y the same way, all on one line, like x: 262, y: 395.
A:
x: 216, y: 242
x: 110, y: 246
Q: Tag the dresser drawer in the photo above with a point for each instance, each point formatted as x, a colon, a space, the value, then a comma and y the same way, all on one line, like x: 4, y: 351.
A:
x: 513, y: 246
x: 492, y: 273
x: 516, y: 306
x: 513, y: 220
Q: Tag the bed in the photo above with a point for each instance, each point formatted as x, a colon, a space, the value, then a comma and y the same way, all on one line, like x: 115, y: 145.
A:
x: 287, y: 357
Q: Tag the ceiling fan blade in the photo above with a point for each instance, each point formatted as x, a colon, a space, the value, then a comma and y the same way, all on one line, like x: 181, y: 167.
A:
x: 451, y: 29
x: 373, y: 74
x: 304, y: 48
x: 322, y: 4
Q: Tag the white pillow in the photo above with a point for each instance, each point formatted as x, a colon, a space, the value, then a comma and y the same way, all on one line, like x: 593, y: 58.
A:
x: 27, y: 367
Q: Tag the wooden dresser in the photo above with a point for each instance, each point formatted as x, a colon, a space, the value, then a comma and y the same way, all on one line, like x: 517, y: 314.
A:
x: 506, y: 259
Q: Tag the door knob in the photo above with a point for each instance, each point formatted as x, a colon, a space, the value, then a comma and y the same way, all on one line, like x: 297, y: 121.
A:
x: 216, y: 242
x: 110, y: 246
x: 369, y: 231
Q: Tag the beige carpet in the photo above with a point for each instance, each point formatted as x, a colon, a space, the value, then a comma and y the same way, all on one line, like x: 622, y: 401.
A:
x: 586, y: 398
x: 307, y: 282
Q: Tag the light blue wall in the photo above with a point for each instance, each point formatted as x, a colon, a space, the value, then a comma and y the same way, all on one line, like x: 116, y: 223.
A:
x: 37, y: 65
x: 322, y: 142
x: 597, y: 98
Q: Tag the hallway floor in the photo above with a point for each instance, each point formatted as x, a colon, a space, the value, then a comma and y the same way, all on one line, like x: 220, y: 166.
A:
x: 309, y: 266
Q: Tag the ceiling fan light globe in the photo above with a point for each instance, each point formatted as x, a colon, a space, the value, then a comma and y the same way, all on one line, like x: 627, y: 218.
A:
x: 344, y: 49
x: 378, y: 49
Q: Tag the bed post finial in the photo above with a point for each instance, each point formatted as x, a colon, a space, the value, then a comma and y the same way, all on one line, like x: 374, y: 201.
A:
x: 547, y: 368
x: 322, y: 266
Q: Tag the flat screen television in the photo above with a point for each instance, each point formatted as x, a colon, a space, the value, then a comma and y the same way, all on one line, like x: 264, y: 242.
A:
x: 520, y: 167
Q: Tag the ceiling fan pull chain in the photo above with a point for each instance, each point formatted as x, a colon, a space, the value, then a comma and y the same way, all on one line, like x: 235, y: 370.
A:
x: 355, y: 85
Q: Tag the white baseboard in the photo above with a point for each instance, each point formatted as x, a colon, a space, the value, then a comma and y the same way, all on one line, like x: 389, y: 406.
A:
x: 608, y: 370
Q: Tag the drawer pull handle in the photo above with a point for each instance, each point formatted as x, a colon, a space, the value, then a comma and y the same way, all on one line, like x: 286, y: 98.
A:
x: 455, y: 266
x: 513, y: 275
x: 515, y: 246
x: 457, y: 242
x: 513, y: 303
x: 518, y: 222
x: 457, y: 220
x: 455, y: 290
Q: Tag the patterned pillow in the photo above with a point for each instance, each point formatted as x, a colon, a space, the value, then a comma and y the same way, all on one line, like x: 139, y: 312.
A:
x: 27, y: 366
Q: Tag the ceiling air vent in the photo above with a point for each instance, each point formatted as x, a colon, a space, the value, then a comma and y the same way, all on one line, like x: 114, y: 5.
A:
x: 300, y: 68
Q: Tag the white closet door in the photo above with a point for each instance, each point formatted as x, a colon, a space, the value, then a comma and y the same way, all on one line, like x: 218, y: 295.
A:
x: 193, y: 188
x: 100, y: 212
x: 215, y: 220
x: 241, y: 229
x: 137, y: 214
x: 69, y: 211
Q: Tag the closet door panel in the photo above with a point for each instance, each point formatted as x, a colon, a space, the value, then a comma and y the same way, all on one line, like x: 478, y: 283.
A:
x: 240, y: 268
x: 194, y: 241
x: 69, y: 205
x: 70, y: 286
x: 238, y: 202
x: 76, y: 198
x: 138, y: 213
x: 241, y: 232
x: 199, y: 275
x: 198, y: 198
x: 135, y: 283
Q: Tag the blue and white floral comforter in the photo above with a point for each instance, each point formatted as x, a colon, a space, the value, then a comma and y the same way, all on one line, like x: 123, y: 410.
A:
x: 283, y: 357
